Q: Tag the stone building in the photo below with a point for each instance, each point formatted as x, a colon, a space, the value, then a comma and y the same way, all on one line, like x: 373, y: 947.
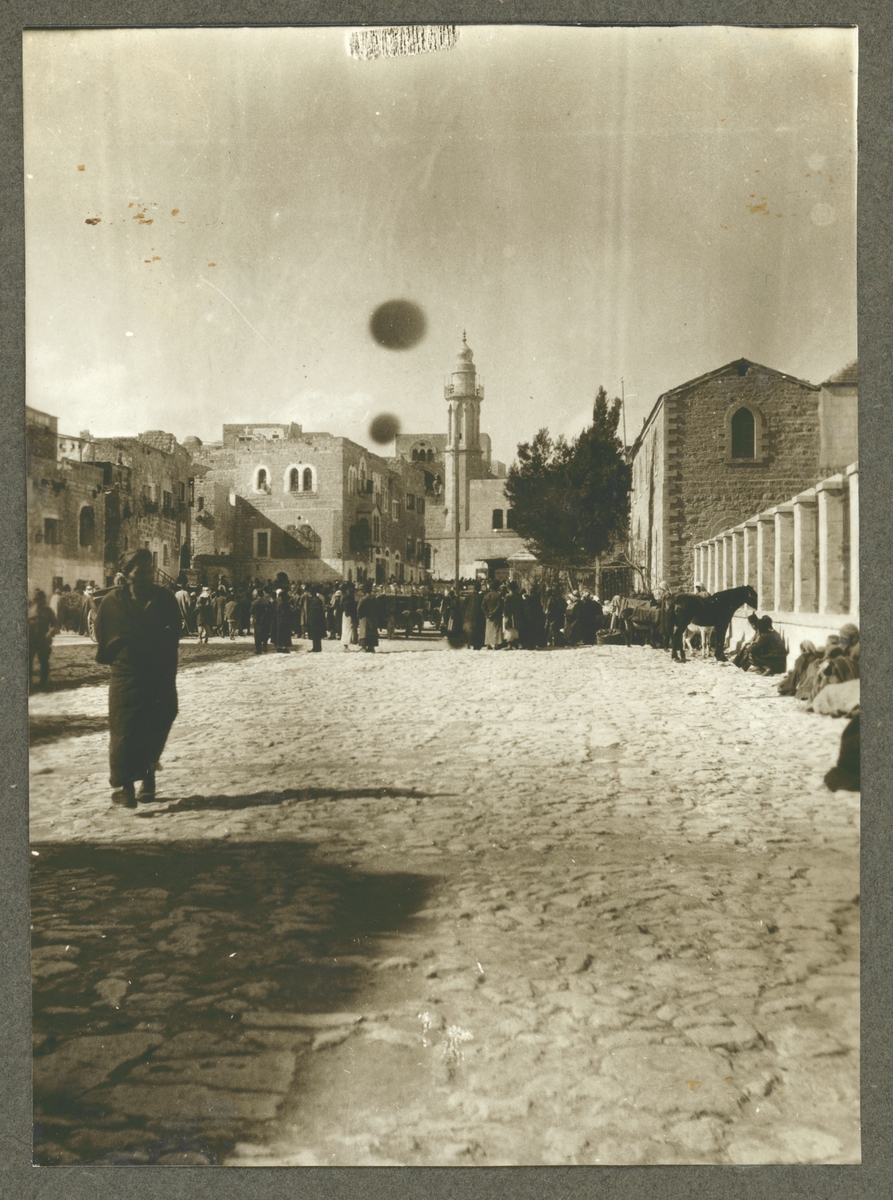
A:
x: 66, y: 508
x: 463, y: 481
x: 731, y: 443
x: 149, y: 482
x: 90, y: 499
x: 271, y: 498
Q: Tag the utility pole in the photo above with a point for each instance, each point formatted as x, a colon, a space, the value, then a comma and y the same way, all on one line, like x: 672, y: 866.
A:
x: 623, y: 409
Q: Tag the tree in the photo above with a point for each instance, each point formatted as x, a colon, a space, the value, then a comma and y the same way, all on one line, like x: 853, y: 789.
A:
x: 571, y: 499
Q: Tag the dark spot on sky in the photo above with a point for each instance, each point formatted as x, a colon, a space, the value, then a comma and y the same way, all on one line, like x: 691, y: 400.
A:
x: 398, y: 324
x: 92, y: 220
x: 384, y: 428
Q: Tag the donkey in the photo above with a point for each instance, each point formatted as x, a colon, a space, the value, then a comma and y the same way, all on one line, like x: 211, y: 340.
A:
x: 717, y: 610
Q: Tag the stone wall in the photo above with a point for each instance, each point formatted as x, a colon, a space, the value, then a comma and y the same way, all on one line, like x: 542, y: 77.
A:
x: 58, y: 494
x: 705, y: 488
x: 152, y: 474
x: 299, y: 496
x: 801, y: 557
x: 480, y: 541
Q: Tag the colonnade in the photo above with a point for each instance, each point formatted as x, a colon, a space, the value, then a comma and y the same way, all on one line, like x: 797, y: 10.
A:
x: 801, y: 557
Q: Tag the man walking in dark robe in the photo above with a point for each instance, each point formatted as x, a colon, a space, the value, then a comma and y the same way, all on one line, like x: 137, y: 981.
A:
x: 316, y: 620
x: 262, y: 614
x: 41, y: 627
x: 138, y: 634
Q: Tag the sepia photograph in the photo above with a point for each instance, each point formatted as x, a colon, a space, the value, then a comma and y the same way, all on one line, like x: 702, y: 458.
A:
x: 433, y: 343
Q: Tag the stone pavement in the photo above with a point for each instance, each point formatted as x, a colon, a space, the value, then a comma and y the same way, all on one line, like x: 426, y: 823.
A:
x: 583, y: 906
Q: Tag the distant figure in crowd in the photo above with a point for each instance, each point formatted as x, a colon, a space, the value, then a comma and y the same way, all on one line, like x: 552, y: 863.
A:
x: 41, y: 627
x: 766, y: 651
x: 262, y: 614
x: 281, y: 630
x: 512, y: 616
x: 473, y: 619
x: 316, y: 620
x: 491, y: 606
x: 204, y: 615
x: 367, y: 617
x: 348, y: 618
x: 138, y: 634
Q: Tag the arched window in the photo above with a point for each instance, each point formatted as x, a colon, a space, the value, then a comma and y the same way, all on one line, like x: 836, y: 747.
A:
x: 430, y: 456
x: 497, y: 518
x: 87, y: 528
x: 743, y: 434
x: 294, y: 480
x: 309, y: 481
x: 261, y: 480
x: 415, y: 456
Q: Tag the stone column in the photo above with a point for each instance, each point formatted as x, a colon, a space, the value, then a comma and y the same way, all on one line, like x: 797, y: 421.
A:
x: 784, y: 558
x: 726, y: 540
x: 708, y: 580
x: 698, y: 567
x: 765, y: 561
x: 749, y: 570
x: 853, y: 476
x: 806, y: 553
x: 738, y: 556
x: 833, y: 551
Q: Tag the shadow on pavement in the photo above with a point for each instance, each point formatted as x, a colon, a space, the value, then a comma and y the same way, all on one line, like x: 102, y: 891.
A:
x: 50, y: 729
x: 169, y: 984
x: 287, y: 795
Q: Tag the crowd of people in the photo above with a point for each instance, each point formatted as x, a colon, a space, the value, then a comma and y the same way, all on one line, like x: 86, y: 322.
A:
x: 481, y: 614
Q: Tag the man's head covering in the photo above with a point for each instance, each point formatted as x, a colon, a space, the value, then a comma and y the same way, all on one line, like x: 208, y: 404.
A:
x: 764, y: 624
x: 130, y: 557
x: 849, y: 632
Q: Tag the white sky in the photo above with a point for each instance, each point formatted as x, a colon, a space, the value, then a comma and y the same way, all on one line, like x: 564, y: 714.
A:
x: 586, y: 203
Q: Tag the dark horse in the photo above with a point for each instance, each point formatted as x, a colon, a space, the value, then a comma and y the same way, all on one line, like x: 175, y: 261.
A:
x: 715, y: 610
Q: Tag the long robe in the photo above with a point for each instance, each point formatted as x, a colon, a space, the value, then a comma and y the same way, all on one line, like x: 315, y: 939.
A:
x: 140, y: 644
x: 367, y: 618
x: 473, y: 621
x: 491, y: 605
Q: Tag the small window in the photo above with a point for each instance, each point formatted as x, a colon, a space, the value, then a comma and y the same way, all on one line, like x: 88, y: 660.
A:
x: 420, y: 507
x: 201, y: 503
x: 182, y: 493
x: 262, y: 544
x: 308, y: 480
x: 376, y: 529
x: 167, y: 500
x: 410, y: 502
x: 294, y: 480
x: 430, y: 456
x: 87, y: 530
x: 52, y: 531
x: 155, y: 558
x: 497, y: 518
x: 510, y: 518
x: 410, y: 547
x: 260, y: 479
x: 165, y: 554
x: 743, y: 434
x: 395, y: 510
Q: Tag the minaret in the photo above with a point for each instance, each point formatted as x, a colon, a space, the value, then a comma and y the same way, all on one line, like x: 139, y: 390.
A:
x: 463, y: 457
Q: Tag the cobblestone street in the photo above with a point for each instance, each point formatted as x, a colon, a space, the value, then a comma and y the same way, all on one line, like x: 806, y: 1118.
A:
x: 581, y: 906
